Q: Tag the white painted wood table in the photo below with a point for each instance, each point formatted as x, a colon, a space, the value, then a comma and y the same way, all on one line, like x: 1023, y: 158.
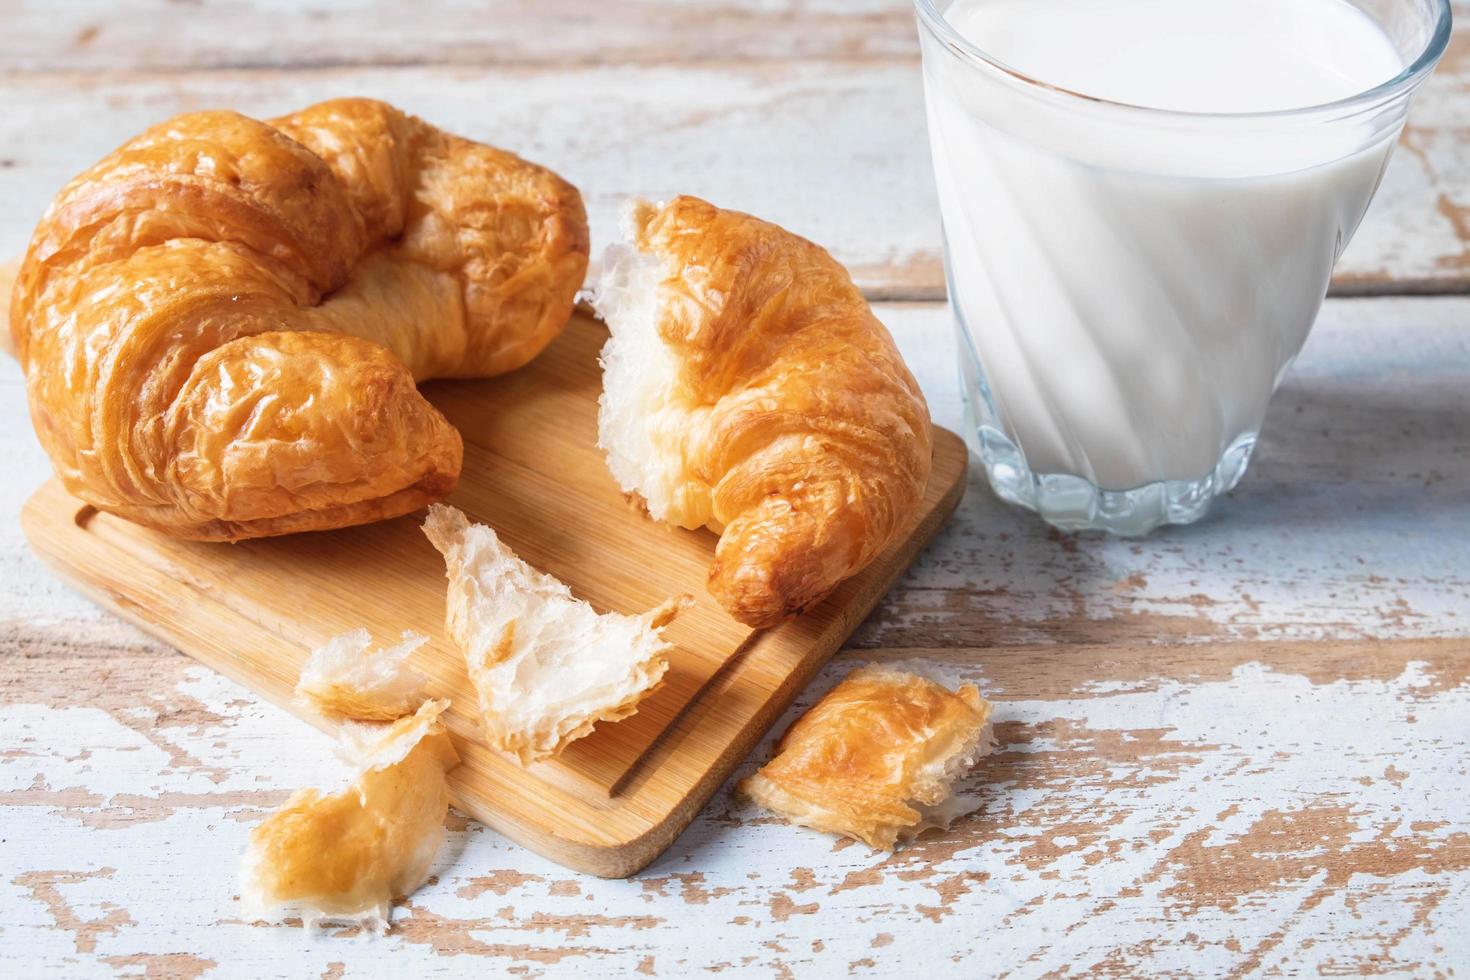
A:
x: 1234, y: 748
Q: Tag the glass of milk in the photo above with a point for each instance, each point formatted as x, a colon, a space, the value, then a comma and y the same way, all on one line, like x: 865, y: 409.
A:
x: 1142, y: 203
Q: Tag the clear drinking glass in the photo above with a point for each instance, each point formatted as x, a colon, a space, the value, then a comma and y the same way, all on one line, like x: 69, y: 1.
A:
x: 1130, y: 284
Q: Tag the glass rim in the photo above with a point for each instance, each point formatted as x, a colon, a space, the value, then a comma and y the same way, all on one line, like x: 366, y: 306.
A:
x: 1404, y: 81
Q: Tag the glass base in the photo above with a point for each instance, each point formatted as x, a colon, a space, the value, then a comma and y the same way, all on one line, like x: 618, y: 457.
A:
x: 1073, y: 503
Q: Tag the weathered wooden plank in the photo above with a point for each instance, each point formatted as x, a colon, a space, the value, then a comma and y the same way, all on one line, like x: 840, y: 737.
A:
x: 834, y: 150
x: 743, y: 136
x: 1416, y: 237
x: 1353, y: 520
x: 1196, y: 810
x: 606, y: 806
x: 1351, y: 523
x: 168, y: 35
x: 1235, y: 748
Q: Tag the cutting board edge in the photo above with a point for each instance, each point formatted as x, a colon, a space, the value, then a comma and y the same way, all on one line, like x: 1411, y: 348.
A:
x: 573, y: 853
x: 638, y: 853
x: 611, y: 860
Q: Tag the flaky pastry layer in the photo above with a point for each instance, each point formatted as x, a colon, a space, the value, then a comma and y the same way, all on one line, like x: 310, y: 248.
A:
x: 343, y: 857
x: 748, y: 388
x: 222, y: 322
x: 546, y: 666
x: 346, y: 677
x: 876, y: 758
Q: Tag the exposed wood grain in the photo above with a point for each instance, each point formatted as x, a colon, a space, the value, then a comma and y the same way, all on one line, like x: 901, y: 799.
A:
x: 739, y: 135
x: 1204, y: 767
x: 1216, y: 810
x: 791, y: 141
x: 532, y: 470
x: 1351, y: 522
x: 1417, y: 235
x: 1232, y: 749
x: 169, y: 35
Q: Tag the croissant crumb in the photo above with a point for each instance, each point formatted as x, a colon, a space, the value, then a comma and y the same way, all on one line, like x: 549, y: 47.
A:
x: 343, y: 857
x: 748, y: 388
x: 876, y: 758
x: 347, y: 678
x: 546, y: 666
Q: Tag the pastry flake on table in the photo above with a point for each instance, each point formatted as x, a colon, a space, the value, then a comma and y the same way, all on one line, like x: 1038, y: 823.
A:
x: 343, y: 857
x: 748, y: 388
x: 347, y: 677
x: 222, y: 323
x: 8, y: 271
x: 546, y: 666
x: 876, y: 758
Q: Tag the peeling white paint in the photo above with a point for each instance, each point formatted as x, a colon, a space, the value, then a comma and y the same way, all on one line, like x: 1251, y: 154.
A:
x: 1220, y: 759
x: 1159, y: 802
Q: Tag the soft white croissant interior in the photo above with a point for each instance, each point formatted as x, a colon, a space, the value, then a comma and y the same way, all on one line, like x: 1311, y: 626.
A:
x: 640, y: 422
x: 748, y: 388
x: 546, y: 666
x: 346, y: 676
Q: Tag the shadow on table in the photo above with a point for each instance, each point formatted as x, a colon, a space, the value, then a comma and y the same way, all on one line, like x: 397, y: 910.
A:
x: 1348, y: 465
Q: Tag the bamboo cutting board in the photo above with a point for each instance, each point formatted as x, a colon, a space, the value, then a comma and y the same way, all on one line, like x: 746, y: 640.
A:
x: 615, y: 799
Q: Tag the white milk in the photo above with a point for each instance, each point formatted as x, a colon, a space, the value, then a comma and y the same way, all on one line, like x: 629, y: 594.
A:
x: 1135, y: 283
x: 1186, y: 55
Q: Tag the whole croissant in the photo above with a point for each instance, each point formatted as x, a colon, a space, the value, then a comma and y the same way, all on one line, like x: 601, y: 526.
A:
x: 748, y: 387
x: 222, y: 322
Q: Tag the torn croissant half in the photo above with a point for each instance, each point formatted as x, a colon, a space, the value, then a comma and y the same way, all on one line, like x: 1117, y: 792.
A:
x: 748, y: 388
x: 344, y: 857
x: 546, y: 666
x: 346, y: 677
x: 876, y: 758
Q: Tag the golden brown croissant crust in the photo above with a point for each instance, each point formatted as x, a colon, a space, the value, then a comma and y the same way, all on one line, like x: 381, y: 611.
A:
x: 791, y: 426
x: 876, y: 758
x: 222, y: 322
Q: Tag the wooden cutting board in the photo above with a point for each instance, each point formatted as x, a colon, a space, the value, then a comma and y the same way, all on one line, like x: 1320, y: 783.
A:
x: 615, y: 799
